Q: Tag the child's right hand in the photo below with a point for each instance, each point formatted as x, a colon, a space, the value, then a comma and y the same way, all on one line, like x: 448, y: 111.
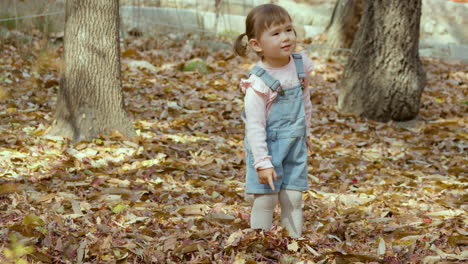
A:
x: 266, y: 176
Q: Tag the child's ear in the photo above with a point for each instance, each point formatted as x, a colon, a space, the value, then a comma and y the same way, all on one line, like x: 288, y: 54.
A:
x: 255, y: 45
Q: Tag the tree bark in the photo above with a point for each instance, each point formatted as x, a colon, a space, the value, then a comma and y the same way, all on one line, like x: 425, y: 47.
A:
x: 383, y: 79
x: 90, y: 100
x: 344, y: 24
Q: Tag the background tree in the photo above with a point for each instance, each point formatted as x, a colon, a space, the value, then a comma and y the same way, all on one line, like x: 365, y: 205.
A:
x: 344, y: 23
x: 90, y: 100
x: 383, y: 78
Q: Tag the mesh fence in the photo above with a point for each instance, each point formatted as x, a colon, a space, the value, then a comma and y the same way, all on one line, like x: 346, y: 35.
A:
x: 152, y: 17
x: 225, y: 17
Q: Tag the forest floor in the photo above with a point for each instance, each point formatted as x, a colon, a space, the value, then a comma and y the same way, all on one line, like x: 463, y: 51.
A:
x: 379, y: 192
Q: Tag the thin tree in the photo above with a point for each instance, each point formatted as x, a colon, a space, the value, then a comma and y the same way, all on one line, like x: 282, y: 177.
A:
x: 383, y: 79
x: 344, y: 24
x: 90, y: 100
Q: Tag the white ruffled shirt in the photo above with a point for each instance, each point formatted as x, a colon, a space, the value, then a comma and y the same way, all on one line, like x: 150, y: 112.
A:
x: 258, y: 101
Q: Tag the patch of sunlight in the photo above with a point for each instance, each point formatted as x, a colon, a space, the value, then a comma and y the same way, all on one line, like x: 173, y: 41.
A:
x: 7, y: 172
x: 146, y: 134
x: 145, y: 124
x: 101, y: 157
x: 143, y: 164
x: 151, y: 162
x: 181, y: 138
x: 373, y: 154
x: 36, y: 165
x: 57, y: 139
x: 345, y: 199
x: 447, y: 213
x: 29, y: 130
x: 8, y: 154
x: 397, y: 150
x: 52, y: 152
x: 166, y: 66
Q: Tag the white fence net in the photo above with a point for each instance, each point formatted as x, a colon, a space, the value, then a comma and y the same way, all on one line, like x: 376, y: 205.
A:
x: 443, y: 24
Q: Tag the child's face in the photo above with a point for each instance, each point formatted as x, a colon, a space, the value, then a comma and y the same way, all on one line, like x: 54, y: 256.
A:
x: 276, y: 44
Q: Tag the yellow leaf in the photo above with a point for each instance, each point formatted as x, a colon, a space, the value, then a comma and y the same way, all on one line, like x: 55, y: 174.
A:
x: 46, y: 198
x: 9, y: 187
x: 221, y: 217
x: 311, y: 250
x: 194, y: 209
x: 240, y: 259
x: 8, y: 253
x: 187, y: 248
x: 33, y: 220
x: 446, y: 213
x: 21, y: 261
x: 293, y: 246
x: 129, y: 53
x: 211, y: 97
x: 381, y: 249
x: 81, y: 252
x: 234, y: 238
x: 119, y: 208
x: 463, y: 134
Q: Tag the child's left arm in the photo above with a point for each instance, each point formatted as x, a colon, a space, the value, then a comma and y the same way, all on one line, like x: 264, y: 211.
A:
x: 308, y: 67
x: 308, y: 114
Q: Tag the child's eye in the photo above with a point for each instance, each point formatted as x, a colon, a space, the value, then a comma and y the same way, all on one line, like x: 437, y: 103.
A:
x: 275, y: 34
x: 289, y: 30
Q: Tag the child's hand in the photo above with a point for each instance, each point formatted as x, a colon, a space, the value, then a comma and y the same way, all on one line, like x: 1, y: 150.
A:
x: 267, y: 176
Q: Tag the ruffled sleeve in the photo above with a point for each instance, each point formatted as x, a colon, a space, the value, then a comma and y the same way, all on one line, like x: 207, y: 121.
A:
x: 255, y: 83
x: 257, y: 97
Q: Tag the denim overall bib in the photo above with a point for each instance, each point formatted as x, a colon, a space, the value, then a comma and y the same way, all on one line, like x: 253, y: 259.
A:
x: 286, y: 136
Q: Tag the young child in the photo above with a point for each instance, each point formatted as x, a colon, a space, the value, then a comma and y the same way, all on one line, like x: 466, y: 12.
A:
x: 277, y: 116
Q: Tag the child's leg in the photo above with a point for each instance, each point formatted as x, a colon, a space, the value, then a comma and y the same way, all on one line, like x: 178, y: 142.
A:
x: 291, y: 211
x: 262, y: 210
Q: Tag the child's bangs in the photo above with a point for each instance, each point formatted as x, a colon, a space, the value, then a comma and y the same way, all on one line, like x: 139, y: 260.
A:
x: 274, y: 17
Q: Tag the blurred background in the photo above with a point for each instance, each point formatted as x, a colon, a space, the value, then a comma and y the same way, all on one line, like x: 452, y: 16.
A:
x: 443, y: 23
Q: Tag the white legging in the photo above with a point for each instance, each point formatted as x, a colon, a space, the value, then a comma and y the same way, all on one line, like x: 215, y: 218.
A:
x: 291, y: 211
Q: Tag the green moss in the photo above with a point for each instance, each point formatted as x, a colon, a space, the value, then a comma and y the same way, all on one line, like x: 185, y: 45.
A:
x: 196, y: 65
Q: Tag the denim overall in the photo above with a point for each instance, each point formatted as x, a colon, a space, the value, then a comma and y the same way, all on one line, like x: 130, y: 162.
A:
x: 286, y: 136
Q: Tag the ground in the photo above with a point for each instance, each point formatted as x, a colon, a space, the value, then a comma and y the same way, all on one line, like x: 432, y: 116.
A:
x: 379, y: 192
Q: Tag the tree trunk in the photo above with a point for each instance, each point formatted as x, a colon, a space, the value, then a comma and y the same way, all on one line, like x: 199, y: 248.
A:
x: 344, y: 24
x: 90, y: 100
x: 383, y: 78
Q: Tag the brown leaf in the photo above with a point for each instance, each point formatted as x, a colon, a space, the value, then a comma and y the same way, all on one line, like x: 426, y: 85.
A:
x: 194, y: 209
x: 10, y: 187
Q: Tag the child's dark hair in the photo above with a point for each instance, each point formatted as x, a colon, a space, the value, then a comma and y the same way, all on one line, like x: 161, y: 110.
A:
x: 258, y: 20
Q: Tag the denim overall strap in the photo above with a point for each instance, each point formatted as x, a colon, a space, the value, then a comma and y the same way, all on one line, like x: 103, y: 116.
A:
x: 271, y: 82
x: 299, y: 66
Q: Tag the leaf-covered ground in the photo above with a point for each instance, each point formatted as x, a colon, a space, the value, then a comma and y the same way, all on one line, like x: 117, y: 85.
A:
x: 380, y: 192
